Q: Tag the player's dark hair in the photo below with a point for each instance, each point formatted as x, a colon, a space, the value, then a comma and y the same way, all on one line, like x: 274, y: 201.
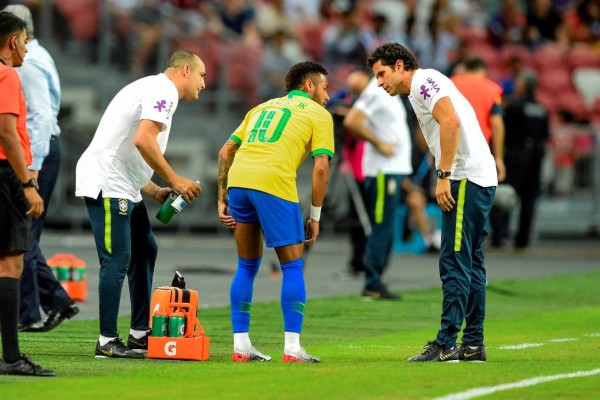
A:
x: 389, y: 53
x: 474, y: 64
x: 301, y: 72
x: 10, y: 25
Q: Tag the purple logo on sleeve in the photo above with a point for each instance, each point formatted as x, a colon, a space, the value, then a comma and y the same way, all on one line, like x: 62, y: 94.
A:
x: 434, y: 85
x: 425, y: 92
x: 160, y: 105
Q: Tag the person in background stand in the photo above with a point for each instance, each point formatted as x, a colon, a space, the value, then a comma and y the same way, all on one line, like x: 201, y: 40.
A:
x: 351, y: 170
x: 415, y: 193
x: 417, y: 188
x: 19, y: 199
x: 467, y: 181
x: 527, y: 127
x: 485, y: 97
x: 353, y: 152
x: 41, y: 86
x: 380, y: 120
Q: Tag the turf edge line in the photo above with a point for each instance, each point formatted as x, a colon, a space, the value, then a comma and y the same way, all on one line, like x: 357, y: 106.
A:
x: 482, y: 391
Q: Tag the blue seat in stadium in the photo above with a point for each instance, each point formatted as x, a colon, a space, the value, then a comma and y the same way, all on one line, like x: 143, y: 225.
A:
x: 416, y: 244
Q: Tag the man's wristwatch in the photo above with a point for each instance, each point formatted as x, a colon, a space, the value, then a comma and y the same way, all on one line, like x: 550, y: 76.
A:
x: 30, y: 183
x: 441, y: 174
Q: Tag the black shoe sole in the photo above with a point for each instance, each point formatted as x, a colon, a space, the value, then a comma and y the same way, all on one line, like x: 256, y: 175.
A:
x: 127, y: 358
x: 30, y: 329
x: 69, y: 313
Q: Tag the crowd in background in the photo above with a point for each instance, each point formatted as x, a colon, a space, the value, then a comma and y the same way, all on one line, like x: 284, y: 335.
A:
x: 253, y: 42
x: 248, y: 45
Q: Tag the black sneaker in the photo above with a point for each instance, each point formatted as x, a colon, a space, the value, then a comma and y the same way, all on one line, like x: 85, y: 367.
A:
x: 381, y: 294
x: 385, y: 294
x: 25, y: 366
x: 56, y: 317
x: 478, y: 354
x: 370, y: 294
x: 138, y: 345
x: 435, y: 352
x: 116, y: 349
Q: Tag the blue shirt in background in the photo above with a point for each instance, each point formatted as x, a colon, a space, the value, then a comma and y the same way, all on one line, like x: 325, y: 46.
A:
x: 41, y: 86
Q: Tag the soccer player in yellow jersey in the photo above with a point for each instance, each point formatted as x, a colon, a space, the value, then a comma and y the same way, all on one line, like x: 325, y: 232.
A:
x: 258, y: 197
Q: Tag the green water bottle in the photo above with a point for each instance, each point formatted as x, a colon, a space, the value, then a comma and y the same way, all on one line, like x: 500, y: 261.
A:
x: 160, y: 325
x: 177, y: 324
x: 64, y: 272
x: 173, y: 205
x: 165, y: 212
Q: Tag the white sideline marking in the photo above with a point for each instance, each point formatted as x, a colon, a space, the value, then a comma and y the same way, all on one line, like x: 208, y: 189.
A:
x: 520, y: 346
x: 356, y: 346
x: 557, y: 340
x: 482, y: 391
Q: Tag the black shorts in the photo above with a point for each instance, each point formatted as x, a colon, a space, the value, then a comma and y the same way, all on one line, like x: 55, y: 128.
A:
x: 14, y: 224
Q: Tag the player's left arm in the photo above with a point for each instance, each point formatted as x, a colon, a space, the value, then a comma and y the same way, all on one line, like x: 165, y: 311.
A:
x: 322, y: 150
x: 444, y: 114
x: 320, y: 180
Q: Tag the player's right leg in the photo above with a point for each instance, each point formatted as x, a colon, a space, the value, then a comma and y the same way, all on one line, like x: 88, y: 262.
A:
x: 110, y: 222
x: 248, y: 237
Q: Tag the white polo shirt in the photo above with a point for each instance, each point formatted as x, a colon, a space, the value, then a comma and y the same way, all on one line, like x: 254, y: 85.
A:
x: 112, y: 164
x: 386, y: 118
x: 473, y: 160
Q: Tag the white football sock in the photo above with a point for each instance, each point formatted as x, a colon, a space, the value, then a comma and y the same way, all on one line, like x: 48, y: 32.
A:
x: 241, y: 341
x: 105, y: 339
x: 292, y: 342
x: 137, y: 334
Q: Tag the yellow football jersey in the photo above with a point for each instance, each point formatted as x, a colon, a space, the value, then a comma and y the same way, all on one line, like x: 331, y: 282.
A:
x: 275, y: 138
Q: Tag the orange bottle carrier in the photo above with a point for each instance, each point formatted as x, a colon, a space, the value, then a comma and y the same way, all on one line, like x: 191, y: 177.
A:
x: 181, y: 304
x: 70, y: 271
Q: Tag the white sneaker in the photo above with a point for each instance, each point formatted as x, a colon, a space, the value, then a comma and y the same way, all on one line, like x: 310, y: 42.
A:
x: 299, y: 356
x: 250, y: 355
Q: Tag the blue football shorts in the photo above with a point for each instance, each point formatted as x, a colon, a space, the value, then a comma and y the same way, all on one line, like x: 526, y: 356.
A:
x: 281, y: 220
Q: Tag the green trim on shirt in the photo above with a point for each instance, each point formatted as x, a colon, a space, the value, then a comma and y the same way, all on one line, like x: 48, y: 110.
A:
x: 322, y: 151
x: 235, y: 139
x: 298, y: 93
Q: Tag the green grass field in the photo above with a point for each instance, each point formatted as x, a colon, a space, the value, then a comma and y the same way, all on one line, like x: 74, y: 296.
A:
x: 363, y: 345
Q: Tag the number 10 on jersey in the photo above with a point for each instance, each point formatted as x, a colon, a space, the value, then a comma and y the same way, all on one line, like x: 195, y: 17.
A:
x: 263, y: 128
